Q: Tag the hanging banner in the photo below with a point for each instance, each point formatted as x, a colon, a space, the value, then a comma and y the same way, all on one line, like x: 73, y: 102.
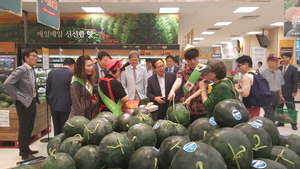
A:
x: 13, y: 6
x: 229, y: 51
x: 291, y: 18
x: 48, y: 13
x: 45, y: 53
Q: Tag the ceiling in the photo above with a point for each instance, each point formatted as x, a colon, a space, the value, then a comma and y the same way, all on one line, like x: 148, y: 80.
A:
x: 199, y: 15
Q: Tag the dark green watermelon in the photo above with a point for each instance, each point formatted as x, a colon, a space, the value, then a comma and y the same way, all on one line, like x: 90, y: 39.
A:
x: 144, y: 158
x: 230, y: 112
x: 200, y: 127
x: 71, y: 145
x: 166, y: 128
x: 260, y: 140
x: 58, y: 161
x: 292, y: 141
x: 123, y: 122
x: 75, y: 125
x: 196, y: 155
x: 286, y: 157
x: 141, y: 118
x: 115, y: 150
x: 23, y: 166
x: 88, y: 157
x: 266, y: 164
x: 110, y: 117
x: 269, y: 126
x: 55, y: 143
x: 229, y: 142
x: 142, y: 134
x: 95, y: 130
x: 141, y: 111
x: 169, y: 148
x: 178, y: 113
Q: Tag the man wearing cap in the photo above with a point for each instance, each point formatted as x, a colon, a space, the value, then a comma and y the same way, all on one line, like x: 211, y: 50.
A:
x: 290, y: 88
x: 111, y: 91
x: 274, y: 76
x: 190, y: 85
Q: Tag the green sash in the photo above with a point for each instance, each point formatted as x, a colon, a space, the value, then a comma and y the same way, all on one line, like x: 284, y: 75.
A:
x: 88, y: 88
x: 187, y: 87
x: 115, y: 108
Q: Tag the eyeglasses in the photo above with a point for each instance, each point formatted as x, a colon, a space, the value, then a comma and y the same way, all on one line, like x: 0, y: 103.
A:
x: 34, y: 55
x: 239, y: 65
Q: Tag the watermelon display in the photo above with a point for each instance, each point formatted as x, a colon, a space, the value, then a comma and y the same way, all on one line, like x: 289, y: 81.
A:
x: 200, y: 127
x: 266, y: 164
x: 95, y: 130
x: 110, y: 117
x: 88, y: 157
x: 268, y: 126
x: 285, y: 156
x: 75, y: 125
x: 198, y: 155
x: 58, y: 161
x: 55, y: 143
x: 123, y: 122
x: 144, y: 158
x: 230, y: 112
x: 292, y: 141
x: 169, y: 148
x: 142, y: 134
x: 23, y: 166
x: 71, y: 145
x: 141, y: 118
x: 115, y: 150
x: 141, y: 110
x: 233, y: 145
x: 178, y: 113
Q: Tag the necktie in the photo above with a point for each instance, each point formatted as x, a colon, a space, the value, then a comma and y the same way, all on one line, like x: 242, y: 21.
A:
x: 169, y: 70
x: 102, y: 72
x: 134, y: 73
x: 284, y: 70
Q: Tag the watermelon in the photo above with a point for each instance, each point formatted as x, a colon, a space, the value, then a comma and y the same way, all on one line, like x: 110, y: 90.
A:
x: 259, y: 138
x: 141, y: 118
x: 144, y: 158
x: 169, y: 148
x: 123, y: 122
x: 24, y: 166
x: 58, y: 161
x: 233, y: 145
x: 286, y: 157
x: 95, y: 130
x: 292, y: 141
x: 178, y: 113
x: 141, y: 110
x: 268, y: 126
x: 142, y: 134
x: 200, y: 127
x: 230, y: 112
x: 71, y: 145
x: 9, y: 100
x: 4, y: 104
x: 75, y: 125
x: 110, y: 117
x: 115, y: 150
x: 166, y: 128
x: 266, y: 164
x: 3, y: 96
x: 198, y: 155
x: 55, y: 143
x: 88, y: 157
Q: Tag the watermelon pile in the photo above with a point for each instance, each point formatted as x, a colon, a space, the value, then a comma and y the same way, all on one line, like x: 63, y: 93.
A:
x: 229, y: 140
x: 5, y: 100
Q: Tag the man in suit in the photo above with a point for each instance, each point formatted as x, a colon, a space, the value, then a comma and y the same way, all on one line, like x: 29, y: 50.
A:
x: 171, y: 64
x: 149, y: 67
x: 159, y: 86
x: 21, y: 86
x: 290, y: 88
x: 134, y: 78
x: 58, y: 94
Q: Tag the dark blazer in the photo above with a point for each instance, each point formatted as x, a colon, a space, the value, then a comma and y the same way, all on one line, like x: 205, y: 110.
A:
x: 97, y: 73
x: 58, y: 89
x: 176, y: 68
x: 290, y: 81
x: 153, y: 90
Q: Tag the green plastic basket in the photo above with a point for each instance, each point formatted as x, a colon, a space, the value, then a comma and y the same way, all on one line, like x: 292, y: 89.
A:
x: 286, y: 115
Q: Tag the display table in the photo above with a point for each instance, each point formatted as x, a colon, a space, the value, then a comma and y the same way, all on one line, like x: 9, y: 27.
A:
x: 153, y: 109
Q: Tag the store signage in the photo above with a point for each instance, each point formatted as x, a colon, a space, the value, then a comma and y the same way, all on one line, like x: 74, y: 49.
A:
x: 291, y: 18
x: 48, y: 13
x: 13, y: 6
x: 216, y: 56
x: 259, y: 54
x: 4, y: 118
x: 45, y: 53
x: 7, y: 47
x: 229, y: 51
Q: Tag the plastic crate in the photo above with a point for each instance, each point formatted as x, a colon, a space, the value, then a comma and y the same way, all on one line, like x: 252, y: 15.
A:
x: 286, y: 115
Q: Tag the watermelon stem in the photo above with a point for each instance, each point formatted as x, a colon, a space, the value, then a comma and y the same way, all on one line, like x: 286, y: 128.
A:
x: 204, y: 133
x: 71, y: 125
x: 199, y: 165
x: 89, y: 131
x: 52, y: 153
x: 155, y: 163
x: 80, y: 137
x: 280, y: 157
x: 173, y: 124
x: 133, y: 138
x: 176, y: 145
x: 256, y: 146
x: 120, y: 145
x: 237, y: 155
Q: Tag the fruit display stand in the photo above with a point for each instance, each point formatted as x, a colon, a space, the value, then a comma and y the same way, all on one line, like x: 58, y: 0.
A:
x: 9, y: 135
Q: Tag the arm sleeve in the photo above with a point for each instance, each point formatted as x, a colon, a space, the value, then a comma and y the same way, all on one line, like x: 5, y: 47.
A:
x: 150, y: 91
x: 295, y: 81
x: 10, y: 82
x: 118, y: 90
x: 123, y: 81
x: 218, y: 94
x: 76, y: 90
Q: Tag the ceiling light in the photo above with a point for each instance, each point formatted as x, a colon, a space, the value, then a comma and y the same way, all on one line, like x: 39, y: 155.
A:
x: 93, y: 9
x: 169, y: 10
x: 254, y: 33
x: 222, y: 23
x: 224, y: 42
x: 207, y: 33
x: 215, y: 45
x: 245, y: 9
x: 277, y: 24
x: 198, y: 38
x: 195, y: 43
x: 237, y: 38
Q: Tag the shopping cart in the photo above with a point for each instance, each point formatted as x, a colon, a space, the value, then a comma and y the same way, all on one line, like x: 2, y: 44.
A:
x: 286, y: 115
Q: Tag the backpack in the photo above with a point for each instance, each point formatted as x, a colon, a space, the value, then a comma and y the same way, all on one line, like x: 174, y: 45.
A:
x: 260, y: 94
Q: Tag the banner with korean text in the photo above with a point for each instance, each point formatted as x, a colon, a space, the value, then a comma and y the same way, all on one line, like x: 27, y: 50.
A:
x: 13, y: 6
x: 48, y: 13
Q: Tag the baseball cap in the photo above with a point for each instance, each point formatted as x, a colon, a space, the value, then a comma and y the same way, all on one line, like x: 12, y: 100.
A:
x: 272, y: 57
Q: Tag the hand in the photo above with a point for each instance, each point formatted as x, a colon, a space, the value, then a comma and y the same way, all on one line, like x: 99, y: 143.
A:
x: 159, y: 100
x: 203, y: 85
x: 282, y: 99
x: 237, y: 86
x: 171, y: 95
x: 187, y: 101
x: 294, y: 94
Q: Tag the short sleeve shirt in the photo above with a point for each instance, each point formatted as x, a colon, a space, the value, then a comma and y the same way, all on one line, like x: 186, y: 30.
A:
x: 275, y: 79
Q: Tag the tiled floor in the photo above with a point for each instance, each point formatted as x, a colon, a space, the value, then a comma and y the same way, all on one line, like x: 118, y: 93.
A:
x: 9, y: 156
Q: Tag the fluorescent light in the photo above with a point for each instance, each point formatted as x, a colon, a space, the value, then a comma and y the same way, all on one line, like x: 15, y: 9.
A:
x: 254, y: 33
x: 222, y: 23
x: 195, y: 43
x: 93, y: 9
x: 245, y: 9
x: 224, y: 42
x: 198, y: 38
x: 237, y: 38
x: 215, y: 45
x: 169, y: 10
x: 207, y: 33
x: 277, y: 24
